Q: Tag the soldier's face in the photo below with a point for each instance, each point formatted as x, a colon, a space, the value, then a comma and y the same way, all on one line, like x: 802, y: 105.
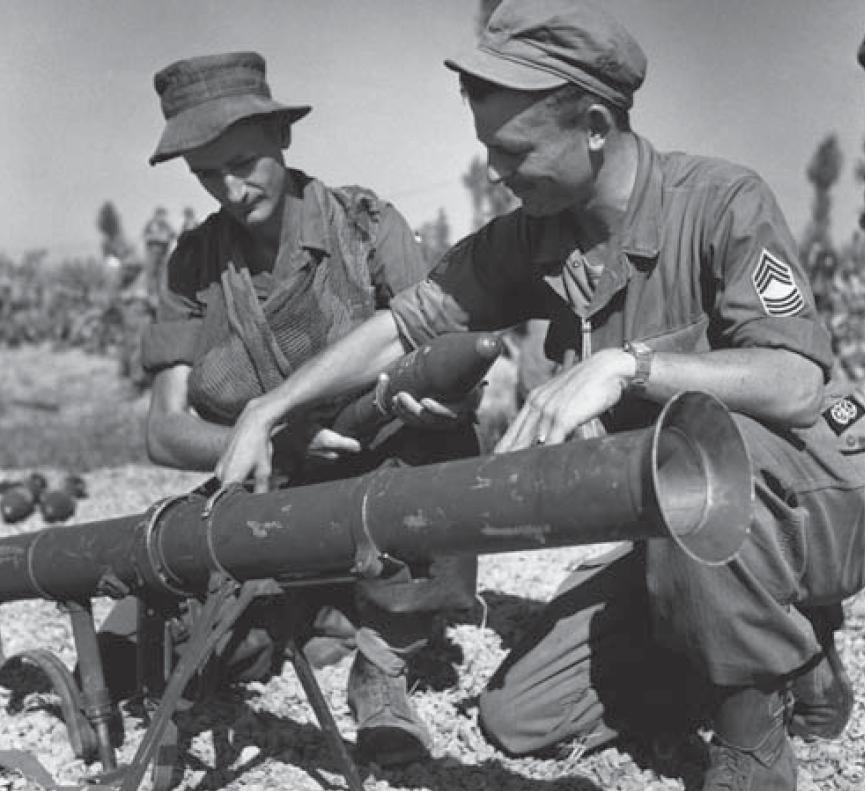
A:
x: 547, y: 166
x: 243, y: 170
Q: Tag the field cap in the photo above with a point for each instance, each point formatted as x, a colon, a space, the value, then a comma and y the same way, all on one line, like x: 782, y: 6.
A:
x: 545, y: 44
x: 201, y: 97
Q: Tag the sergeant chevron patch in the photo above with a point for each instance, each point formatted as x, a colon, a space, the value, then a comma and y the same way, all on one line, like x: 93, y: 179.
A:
x: 773, y: 279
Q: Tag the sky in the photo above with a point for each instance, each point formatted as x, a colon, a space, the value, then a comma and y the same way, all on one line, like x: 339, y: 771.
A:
x: 760, y: 82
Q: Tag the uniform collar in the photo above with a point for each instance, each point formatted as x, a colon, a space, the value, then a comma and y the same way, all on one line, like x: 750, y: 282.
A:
x: 551, y: 241
x: 304, y: 217
x: 553, y: 238
x: 641, y: 229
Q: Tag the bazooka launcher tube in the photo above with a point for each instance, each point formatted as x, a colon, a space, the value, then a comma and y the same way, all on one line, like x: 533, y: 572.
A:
x: 687, y: 478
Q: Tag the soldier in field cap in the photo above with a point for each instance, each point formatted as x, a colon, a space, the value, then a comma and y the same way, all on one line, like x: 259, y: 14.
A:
x: 283, y: 269
x: 659, y: 272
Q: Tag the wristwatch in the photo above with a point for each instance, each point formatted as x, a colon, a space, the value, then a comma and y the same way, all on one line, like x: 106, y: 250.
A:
x: 643, y: 356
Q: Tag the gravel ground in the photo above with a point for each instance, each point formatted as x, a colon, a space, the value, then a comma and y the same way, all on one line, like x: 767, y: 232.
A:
x: 260, y: 736
x: 70, y: 409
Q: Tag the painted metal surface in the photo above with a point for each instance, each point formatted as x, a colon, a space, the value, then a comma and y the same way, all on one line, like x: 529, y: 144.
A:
x: 687, y: 479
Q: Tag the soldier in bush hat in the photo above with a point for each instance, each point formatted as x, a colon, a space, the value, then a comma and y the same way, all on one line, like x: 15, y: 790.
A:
x: 286, y: 267
x: 660, y: 272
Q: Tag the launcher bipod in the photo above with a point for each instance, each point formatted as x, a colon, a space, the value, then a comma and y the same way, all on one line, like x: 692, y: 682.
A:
x: 93, y: 722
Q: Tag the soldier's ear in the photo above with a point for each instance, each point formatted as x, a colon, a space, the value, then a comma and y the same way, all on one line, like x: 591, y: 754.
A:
x: 285, y: 135
x: 599, y: 123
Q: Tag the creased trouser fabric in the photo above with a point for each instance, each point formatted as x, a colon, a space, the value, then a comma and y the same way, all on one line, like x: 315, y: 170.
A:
x: 741, y: 622
x: 589, y: 668
x: 634, y: 633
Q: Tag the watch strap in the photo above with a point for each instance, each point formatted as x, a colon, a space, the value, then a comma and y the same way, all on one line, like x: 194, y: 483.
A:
x: 643, y: 355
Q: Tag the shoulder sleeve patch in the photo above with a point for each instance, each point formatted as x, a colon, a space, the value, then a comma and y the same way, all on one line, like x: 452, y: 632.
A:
x: 843, y: 414
x: 775, y: 285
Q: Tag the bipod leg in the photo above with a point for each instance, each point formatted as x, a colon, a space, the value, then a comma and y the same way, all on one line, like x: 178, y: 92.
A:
x: 323, y: 714
x: 87, y: 712
x: 30, y: 767
x: 218, y: 615
x: 95, y: 698
x: 154, y: 650
x: 82, y: 739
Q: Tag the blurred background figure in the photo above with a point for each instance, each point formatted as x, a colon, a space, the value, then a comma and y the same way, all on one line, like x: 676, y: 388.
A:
x: 158, y: 224
x: 159, y: 237
x: 190, y: 221
x: 116, y: 250
x: 142, y: 285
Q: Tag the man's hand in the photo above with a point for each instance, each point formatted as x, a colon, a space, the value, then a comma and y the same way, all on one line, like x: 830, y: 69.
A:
x: 428, y: 413
x: 557, y: 408
x: 327, y: 444
x: 249, y: 451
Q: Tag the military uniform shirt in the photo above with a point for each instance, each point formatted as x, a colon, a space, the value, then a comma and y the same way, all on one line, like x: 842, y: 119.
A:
x: 194, y: 270
x: 704, y: 261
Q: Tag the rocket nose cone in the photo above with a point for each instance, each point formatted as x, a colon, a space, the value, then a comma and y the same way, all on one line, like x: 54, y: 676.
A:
x: 489, y: 346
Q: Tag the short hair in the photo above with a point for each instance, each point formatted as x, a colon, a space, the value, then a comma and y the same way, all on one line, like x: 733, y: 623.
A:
x: 569, y: 101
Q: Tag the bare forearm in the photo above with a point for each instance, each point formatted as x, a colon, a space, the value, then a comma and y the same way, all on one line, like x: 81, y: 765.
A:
x: 773, y: 385
x: 185, y: 441
x: 351, y: 363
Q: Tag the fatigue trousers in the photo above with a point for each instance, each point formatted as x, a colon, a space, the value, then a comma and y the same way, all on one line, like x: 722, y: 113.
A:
x: 640, y: 638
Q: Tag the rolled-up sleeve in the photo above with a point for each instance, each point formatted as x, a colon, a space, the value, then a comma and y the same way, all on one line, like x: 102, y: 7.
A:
x: 764, y: 298
x: 172, y: 338
x: 482, y: 283
x: 397, y: 261
x: 168, y: 343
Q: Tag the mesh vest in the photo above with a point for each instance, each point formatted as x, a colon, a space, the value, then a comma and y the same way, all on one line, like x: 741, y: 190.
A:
x: 249, y: 342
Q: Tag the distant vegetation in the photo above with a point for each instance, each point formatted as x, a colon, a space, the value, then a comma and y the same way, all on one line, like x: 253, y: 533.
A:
x: 836, y: 269
x: 70, y: 304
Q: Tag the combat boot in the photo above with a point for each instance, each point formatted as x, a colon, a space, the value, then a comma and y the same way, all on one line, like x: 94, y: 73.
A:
x: 389, y: 731
x: 823, y: 698
x: 750, y: 750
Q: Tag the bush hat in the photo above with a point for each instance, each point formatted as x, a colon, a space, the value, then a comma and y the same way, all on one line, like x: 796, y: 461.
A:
x: 201, y: 97
x: 545, y: 44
